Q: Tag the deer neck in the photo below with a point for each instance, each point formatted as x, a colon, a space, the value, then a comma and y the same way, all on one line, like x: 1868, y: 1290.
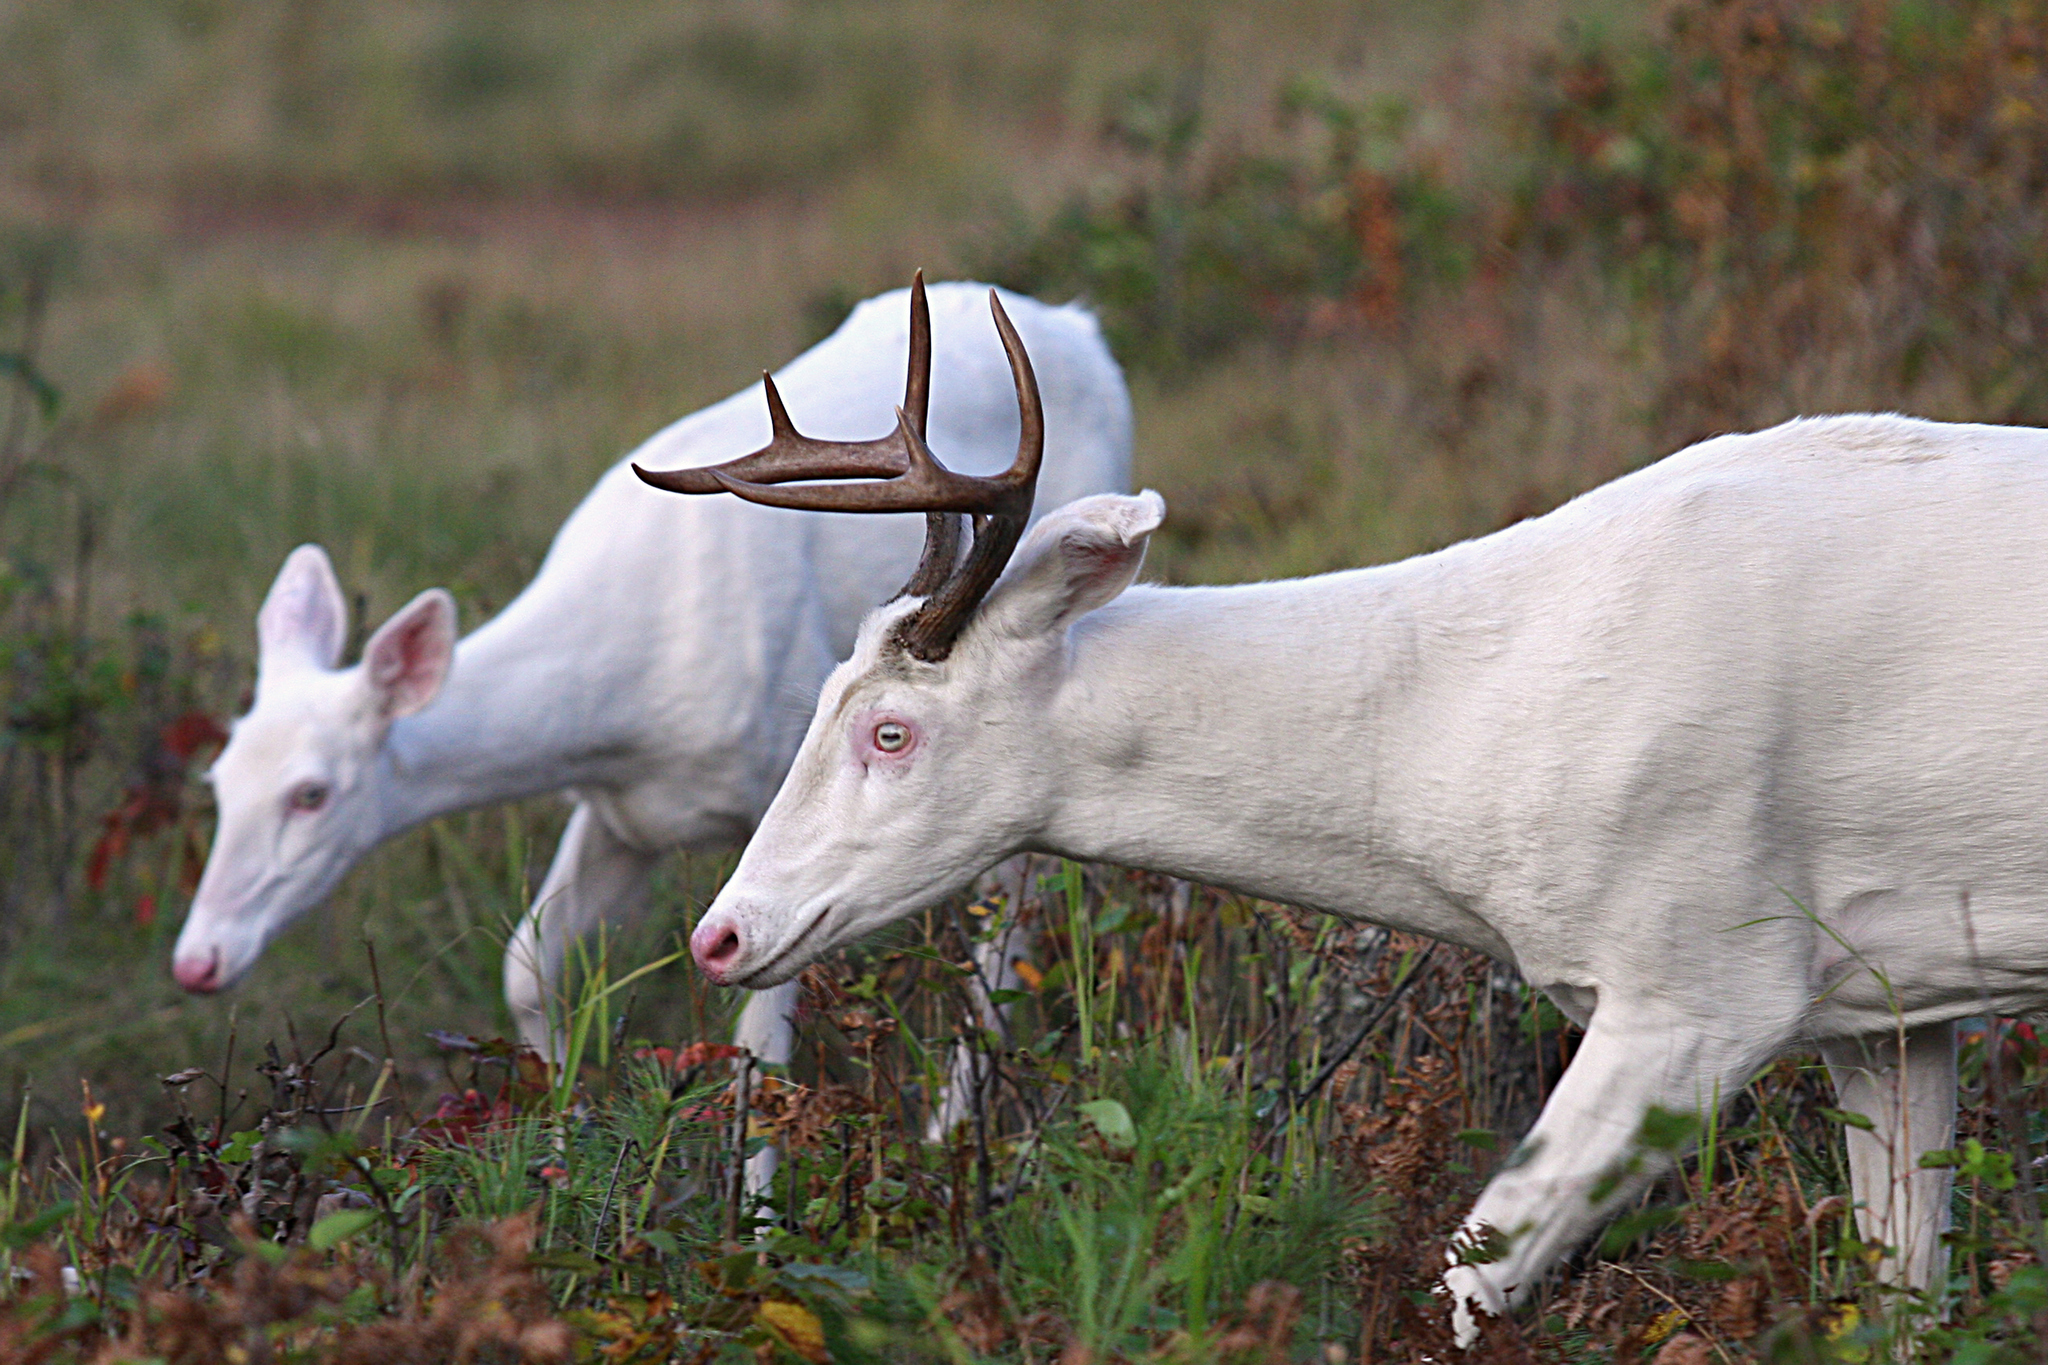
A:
x: 528, y: 708
x: 1265, y: 738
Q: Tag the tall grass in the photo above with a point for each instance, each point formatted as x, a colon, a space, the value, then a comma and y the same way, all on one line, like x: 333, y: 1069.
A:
x: 1238, y: 1171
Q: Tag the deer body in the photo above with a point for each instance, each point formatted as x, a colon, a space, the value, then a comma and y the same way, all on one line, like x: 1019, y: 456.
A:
x: 1743, y: 752
x: 658, y: 666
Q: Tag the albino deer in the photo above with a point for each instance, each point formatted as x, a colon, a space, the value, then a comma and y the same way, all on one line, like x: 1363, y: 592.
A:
x: 659, y: 666
x: 1742, y: 753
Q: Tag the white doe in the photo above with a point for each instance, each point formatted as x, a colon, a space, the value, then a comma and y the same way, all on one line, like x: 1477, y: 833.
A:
x: 1745, y: 752
x: 660, y: 666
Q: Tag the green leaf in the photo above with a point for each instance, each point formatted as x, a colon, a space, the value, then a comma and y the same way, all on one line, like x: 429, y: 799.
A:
x: 936, y: 958
x: 240, y: 1147
x: 565, y: 1260
x: 1113, y: 1121
x: 805, y: 1275
x: 1112, y: 918
x: 1993, y: 1168
x: 29, y: 1231
x: 337, y: 1228
x: 733, y: 1274
x: 2027, y: 1290
x: 1848, y: 1118
x: 1485, y: 1139
x: 1625, y: 1230
x: 1490, y: 1245
x: 1711, y: 1272
x: 47, y: 396
x: 1666, y: 1130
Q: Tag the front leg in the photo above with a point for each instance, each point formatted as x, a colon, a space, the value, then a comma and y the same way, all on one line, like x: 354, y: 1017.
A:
x: 1583, y: 1159
x: 1911, y: 1104
x: 595, y: 879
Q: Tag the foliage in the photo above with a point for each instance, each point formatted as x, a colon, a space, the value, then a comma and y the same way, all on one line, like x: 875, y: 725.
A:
x: 1763, y: 183
x: 1199, y: 256
x: 1780, y: 178
x: 1218, y: 1181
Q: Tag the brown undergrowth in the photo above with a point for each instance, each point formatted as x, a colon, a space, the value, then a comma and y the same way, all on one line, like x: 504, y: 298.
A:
x: 1211, y: 1131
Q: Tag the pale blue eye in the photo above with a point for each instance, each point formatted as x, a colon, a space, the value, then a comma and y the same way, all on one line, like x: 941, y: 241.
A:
x: 890, y: 737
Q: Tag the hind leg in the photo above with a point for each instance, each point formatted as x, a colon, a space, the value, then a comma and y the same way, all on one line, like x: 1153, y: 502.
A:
x: 1909, y: 1096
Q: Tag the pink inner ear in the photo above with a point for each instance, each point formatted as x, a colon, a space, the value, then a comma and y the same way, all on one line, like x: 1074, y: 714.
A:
x: 304, y: 611
x: 1093, y: 565
x: 409, y: 657
x: 1095, y: 559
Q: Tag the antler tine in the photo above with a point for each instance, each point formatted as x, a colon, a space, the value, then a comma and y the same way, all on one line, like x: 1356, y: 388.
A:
x: 917, y: 385
x: 790, y: 456
x: 929, y: 632
x: 925, y: 485
x: 1023, y: 473
x: 907, y: 477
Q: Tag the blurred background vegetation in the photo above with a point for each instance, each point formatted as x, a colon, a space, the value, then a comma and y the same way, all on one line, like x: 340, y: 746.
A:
x: 402, y: 278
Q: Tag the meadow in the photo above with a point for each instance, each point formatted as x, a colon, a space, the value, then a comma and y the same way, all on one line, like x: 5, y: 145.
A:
x: 403, y: 279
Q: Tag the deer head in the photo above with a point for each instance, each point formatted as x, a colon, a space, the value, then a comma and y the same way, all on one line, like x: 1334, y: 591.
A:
x: 298, y: 784
x: 928, y: 756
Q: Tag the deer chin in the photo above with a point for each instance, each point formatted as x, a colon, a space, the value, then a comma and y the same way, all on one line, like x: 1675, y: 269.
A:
x: 799, y: 951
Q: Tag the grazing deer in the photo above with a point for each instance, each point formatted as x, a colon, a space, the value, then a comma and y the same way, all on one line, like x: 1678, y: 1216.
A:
x: 659, y: 667
x: 1742, y: 753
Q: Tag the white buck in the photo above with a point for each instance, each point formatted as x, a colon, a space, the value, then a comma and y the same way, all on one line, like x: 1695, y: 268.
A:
x: 1742, y: 753
x: 660, y: 666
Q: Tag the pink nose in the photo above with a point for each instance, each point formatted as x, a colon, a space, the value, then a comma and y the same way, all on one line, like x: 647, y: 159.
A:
x: 717, y: 946
x: 200, y: 976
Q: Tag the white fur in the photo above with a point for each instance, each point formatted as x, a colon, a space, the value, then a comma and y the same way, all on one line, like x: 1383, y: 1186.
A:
x: 1744, y: 752
x: 660, y: 665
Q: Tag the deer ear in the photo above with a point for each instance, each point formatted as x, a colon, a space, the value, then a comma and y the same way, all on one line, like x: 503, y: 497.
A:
x: 407, y: 660
x: 1073, y: 561
x: 304, y: 619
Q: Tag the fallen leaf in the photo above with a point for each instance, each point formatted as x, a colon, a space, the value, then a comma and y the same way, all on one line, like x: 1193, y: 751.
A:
x: 796, y: 1327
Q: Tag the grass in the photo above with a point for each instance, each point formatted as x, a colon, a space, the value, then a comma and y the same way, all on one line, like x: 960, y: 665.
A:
x: 1181, y: 1190
x: 404, y: 279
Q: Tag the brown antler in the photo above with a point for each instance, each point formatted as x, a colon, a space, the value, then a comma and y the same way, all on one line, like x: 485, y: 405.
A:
x: 912, y: 481
x: 791, y: 455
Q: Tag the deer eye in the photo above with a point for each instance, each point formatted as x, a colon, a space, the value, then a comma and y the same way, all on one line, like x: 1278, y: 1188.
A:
x: 892, y: 737
x: 307, y: 796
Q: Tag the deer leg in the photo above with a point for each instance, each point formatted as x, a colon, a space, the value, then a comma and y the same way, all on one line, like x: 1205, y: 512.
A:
x: 1584, y: 1158
x: 1909, y: 1097
x: 595, y: 878
x: 767, y: 1030
x: 995, y: 969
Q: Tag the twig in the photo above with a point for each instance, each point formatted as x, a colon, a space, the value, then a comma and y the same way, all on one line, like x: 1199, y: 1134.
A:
x: 383, y: 1030
x: 1393, y: 997
x: 227, y: 1071
x: 1683, y: 1311
x: 605, y: 1210
x: 740, y: 1101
